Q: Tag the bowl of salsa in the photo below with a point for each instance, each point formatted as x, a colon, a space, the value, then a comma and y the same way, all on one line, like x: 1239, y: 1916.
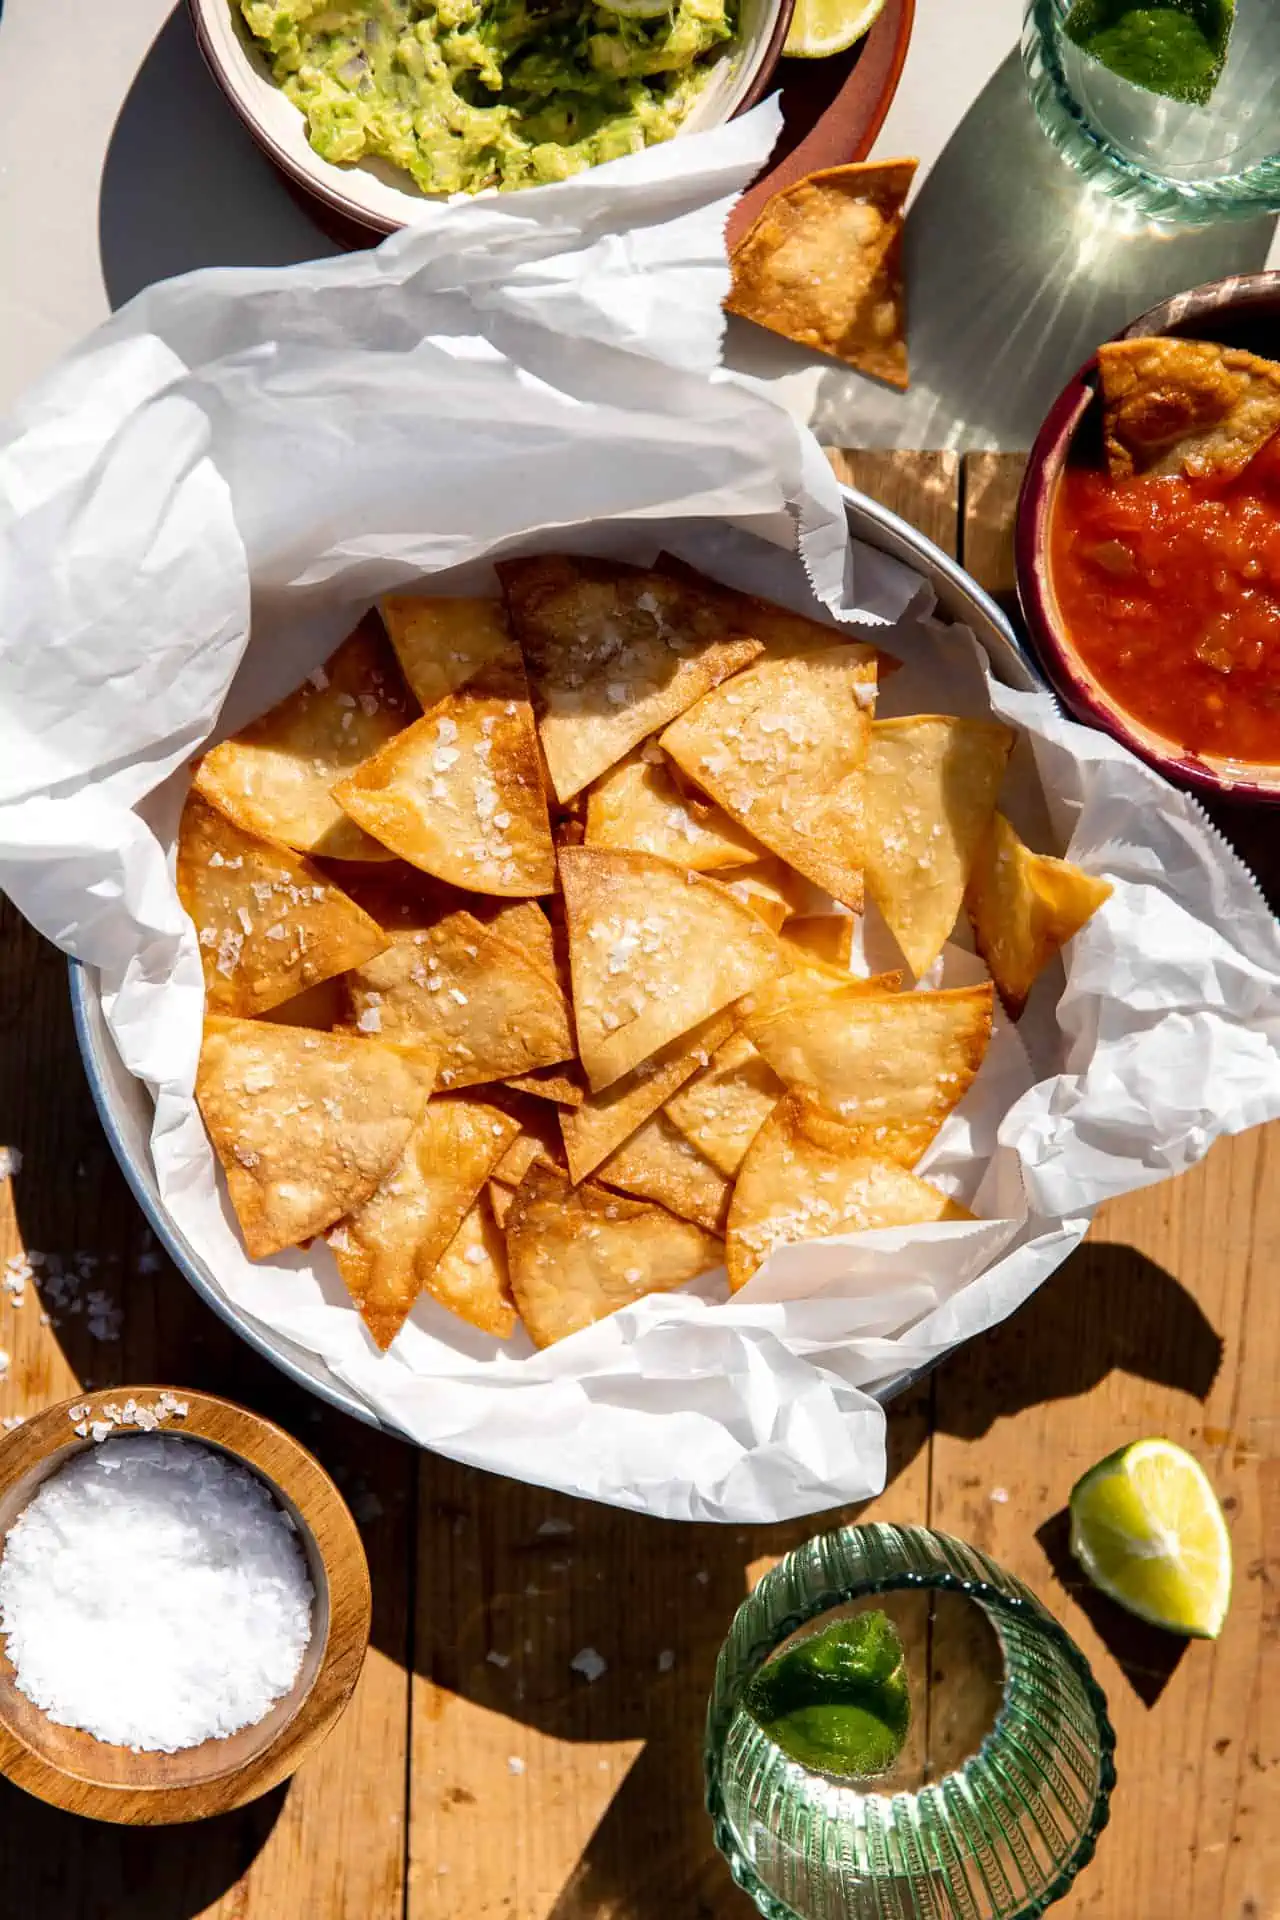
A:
x: 1148, y: 538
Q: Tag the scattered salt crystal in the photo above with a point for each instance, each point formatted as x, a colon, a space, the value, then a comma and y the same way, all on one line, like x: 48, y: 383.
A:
x: 12, y: 1420
x: 4, y: 1363
x: 153, y: 1594
x: 319, y: 679
x: 1000, y: 1495
x: 370, y: 1020
x: 474, y: 1256
x: 589, y: 1664
x: 666, y: 1660
x: 10, y: 1162
x: 554, y: 1528
x: 515, y: 1763
x: 702, y: 1576
x: 498, y: 1659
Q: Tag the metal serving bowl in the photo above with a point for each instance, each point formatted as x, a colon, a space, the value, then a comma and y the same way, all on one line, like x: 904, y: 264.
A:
x: 125, y: 1108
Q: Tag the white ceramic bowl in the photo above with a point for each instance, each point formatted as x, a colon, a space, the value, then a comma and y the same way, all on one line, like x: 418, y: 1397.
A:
x: 125, y: 1107
x: 382, y: 198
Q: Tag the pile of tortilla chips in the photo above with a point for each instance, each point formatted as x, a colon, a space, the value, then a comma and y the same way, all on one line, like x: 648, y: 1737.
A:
x: 527, y: 926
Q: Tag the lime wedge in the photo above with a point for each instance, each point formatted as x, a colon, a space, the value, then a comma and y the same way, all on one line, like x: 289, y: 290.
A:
x: 1177, y: 48
x: 1147, y: 1529
x: 820, y: 27
x: 838, y: 1701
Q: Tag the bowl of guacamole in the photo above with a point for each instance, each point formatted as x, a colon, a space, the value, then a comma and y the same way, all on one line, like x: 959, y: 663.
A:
x: 372, y: 104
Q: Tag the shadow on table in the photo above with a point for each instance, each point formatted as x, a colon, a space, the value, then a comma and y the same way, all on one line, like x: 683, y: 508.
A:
x: 1016, y: 271
x: 183, y: 184
x: 1108, y: 1307
x: 55, y: 1866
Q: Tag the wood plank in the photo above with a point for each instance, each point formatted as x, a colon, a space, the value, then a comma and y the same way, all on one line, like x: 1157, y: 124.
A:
x: 333, y: 1843
x: 601, y: 1813
x: 991, y: 484
x: 1112, y: 1348
x: 923, y: 488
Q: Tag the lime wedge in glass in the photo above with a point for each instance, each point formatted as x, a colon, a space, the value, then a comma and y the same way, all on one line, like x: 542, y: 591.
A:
x: 820, y: 27
x: 1178, y: 48
x: 838, y: 1701
x: 1147, y: 1529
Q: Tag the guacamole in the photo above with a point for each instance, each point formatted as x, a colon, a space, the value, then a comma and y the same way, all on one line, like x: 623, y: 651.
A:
x: 465, y: 94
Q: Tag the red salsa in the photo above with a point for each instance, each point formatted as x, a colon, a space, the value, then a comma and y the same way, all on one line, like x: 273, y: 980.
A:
x: 1170, y: 590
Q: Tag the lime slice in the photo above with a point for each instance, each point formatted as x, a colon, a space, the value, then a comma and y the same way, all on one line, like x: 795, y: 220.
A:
x: 820, y: 27
x: 1147, y: 1529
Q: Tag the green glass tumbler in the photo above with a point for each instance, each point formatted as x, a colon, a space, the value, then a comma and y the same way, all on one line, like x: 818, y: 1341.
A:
x: 1001, y: 1832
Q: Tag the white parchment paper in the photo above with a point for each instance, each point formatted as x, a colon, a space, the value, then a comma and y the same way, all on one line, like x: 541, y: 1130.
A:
x: 264, y: 452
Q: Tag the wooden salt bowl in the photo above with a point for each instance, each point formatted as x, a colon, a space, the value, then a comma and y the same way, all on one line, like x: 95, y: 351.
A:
x: 71, y: 1769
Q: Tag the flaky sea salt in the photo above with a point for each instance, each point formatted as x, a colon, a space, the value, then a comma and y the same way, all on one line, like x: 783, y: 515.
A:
x: 154, y: 1594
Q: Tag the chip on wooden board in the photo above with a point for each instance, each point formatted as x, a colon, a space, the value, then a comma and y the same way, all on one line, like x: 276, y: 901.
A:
x: 659, y: 1163
x: 459, y: 793
x: 471, y: 1278
x: 305, y: 1124
x: 797, y: 1184
x: 462, y: 988
x: 604, y: 1120
x: 1185, y: 406
x: 387, y: 1248
x: 872, y: 1058
x: 782, y: 748
x: 269, y: 923
x: 722, y: 1109
x: 654, y: 949
x: 932, y: 781
x: 613, y: 653
x: 638, y: 804
x: 276, y: 776
x: 578, y: 1254
x: 441, y: 644
x: 1023, y: 907
x: 823, y: 266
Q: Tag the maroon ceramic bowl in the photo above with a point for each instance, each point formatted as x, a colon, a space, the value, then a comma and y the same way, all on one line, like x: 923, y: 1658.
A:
x: 1243, y: 311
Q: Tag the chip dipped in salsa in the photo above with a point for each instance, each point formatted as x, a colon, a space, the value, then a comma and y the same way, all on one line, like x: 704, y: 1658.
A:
x: 1168, y: 581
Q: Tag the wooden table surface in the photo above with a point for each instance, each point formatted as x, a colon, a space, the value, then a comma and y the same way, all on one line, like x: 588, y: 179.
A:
x: 477, y: 1776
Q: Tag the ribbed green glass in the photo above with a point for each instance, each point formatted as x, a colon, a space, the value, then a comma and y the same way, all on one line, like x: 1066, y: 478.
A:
x: 1002, y: 1835
x: 1141, y: 150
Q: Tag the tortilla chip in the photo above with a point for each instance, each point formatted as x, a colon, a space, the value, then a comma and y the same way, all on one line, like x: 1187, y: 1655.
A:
x: 723, y: 1109
x: 471, y: 1278
x: 276, y: 777
x: 827, y: 937
x: 538, y: 1139
x: 655, y: 949
x: 387, y: 1249
x: 797, y: 1185
x: 500, y: 1199
x: 904, y: 1141
x: 771, y: 889
x: 1185, y: 406
x: 605, y: 1120
x: 782, y: 748
x: 781, y: 630
x: 320, y: 1007
x: 1023, y: 906
x: 578, y: 1254
x: 613, y: 654
x: 441, y: 644
x: 659, y: 1163
x: 806, y: 982
x: 559, y: 1084
x: 872, y: 1058
x: 459, y: 793
x: 637, y: 804
x: 526, y: 926
x: 823, y: 266
x: 305, y: 1124
x: 932, y: 782
x: 268, y: 922
x: 462, y: 989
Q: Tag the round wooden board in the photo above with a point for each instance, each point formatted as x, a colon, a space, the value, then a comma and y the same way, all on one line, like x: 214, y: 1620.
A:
x: 69, y: 1768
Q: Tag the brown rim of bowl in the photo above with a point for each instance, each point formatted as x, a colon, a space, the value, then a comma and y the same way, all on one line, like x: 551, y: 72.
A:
x: 1080, y: 693
x: 377, y: 223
